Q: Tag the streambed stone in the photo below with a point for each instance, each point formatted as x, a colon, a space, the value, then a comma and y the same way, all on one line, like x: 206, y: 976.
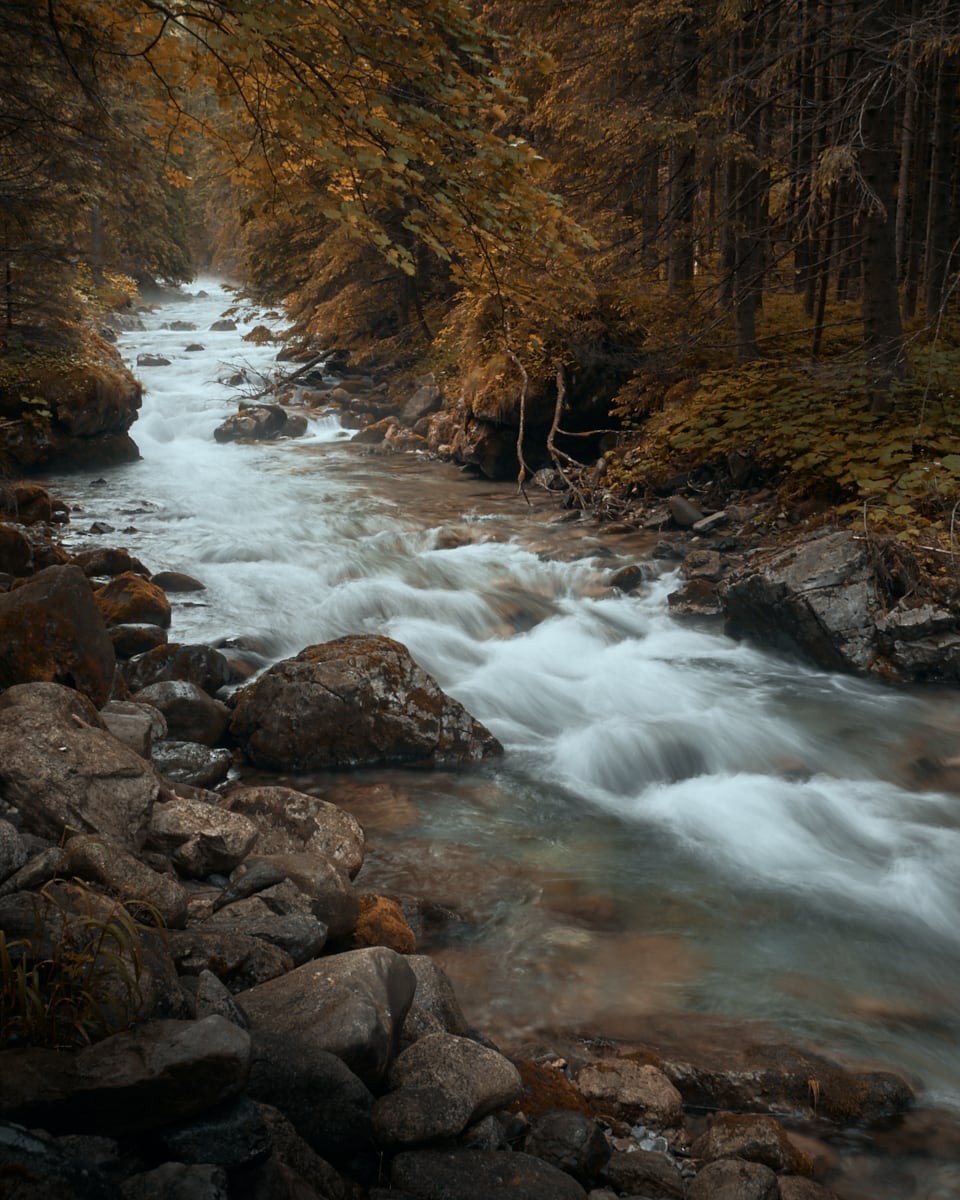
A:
x: 355, y: 701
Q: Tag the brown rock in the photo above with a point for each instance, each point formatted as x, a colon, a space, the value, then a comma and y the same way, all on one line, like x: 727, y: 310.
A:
x: 176, y: 581
x: 644, y: 1173
x: 108, y: 561
x: 290, y: 822
x: 354, y: 701
x: 635, y: 1093
x: 130, y: 599
x: 731, y: 1179
x: 51, y: 629
x: 381, y: 923
x: 63, y: 771
x: 16, y: 550
x: 752, y: 1136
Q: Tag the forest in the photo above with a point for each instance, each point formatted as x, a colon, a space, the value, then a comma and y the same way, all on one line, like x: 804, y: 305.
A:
x: 718, y: 238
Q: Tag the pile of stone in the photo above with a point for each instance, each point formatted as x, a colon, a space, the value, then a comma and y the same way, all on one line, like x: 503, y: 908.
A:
x: 199, y: 1002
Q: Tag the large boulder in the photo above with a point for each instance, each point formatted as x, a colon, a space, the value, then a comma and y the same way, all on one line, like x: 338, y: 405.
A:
x: 162, y: 1072
x: 827, y: 597
x: 190, y: 713
x: 51, y: 629
x: 358, y: 700
x: 200, y: 838
x: 260, y: 422
x: 198, y: 664
x: 63, y: 771
x: 440, y: 1085
x: 351, y: 1005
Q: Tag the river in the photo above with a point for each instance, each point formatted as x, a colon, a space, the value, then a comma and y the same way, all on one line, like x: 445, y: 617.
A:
x: 680, y: 823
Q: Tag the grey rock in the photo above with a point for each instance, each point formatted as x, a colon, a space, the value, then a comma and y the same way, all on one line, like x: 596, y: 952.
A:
x: 160, y: 1073
x: 441, y: 1084
x: 645, y: 1173
x: 178, y: 1181
x: 13, y: 853
x: 356, y: 700
x: 98, y: 860
x: 191, y: 714
x: 238, y: 959
x: 63, y: 771
x: 233, y: 1134
x: 635, y: 1092
x: 331, y: 896
x: 34, y: 1167
x: 190, y: 762
x: 352, y: 1005
x: 571, y: 1141
x: 292, y: 1150
x: 200, y: 838
x: 290, y: 822
x: 138, y: 726
x: 202, y: 665
x: 684, y: 512
x: 481, y: 1175
x: 214, y: 998
x: 733, y: 1179
x: 435, y: 1005
x: 300, y: 935
x: 323, y: 1099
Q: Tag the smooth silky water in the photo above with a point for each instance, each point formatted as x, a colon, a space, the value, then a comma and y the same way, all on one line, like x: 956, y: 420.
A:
x: 680, y: 823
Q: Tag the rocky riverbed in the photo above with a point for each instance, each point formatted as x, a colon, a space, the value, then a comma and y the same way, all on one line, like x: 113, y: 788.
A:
x: 200, y: 1002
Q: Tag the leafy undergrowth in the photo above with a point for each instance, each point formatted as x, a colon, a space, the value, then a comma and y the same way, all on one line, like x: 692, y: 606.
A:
x: 805, y: 429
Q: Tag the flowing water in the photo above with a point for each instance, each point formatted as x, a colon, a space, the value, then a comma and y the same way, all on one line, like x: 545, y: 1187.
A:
x: 680, y: 823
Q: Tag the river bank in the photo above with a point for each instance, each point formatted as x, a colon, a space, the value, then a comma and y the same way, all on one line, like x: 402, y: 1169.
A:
x: 614, y: 830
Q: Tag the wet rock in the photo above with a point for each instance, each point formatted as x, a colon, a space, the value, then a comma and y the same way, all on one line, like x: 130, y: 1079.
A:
x: 136, y: 725
x: 323, y: 1099
x: 100, y: 861
x: 178, y: 1181
x: 176, y: 581
x: 684, y: 512
x: 300, y: 935
x: 645, y: 1173
x: 160, y: 1073
x: 702, y: 564
x: 51, y: 629
x: 357, y: 700
x: 36, y: 1168
x: 239, y: 960
x: 795, y: 1187
x: 571, y: 1141
x: 191, y: 714
x: 189, y: 762
x: 260, y: 423
x: 130, y: 640
x: 628, y: 579
x: 293, y: 1151
x: 232, y: 1135
x: 130, y: 599
x: 480, y: 1175
x: 352, y: 1005
x: 152, y: 360
x: 200, y: 839
x: 223, y: 325
x: 27, y: 503
x: 109, y: 561
x: 13, y: 852
x: 214, y: 998
x: 731, y: 1179
x: 16, y: 551
x: 639, y: 1094
x: 315, y: 881
x: 754, y: 1137
x: 198, y: 664
x: 63, y: 771
x: 435, y: 1004
x: 290, y: 822
x: 441, y: 1084
x: 696, y: 598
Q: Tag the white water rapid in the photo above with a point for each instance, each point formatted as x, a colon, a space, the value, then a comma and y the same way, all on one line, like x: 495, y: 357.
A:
x: 679, y: 822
